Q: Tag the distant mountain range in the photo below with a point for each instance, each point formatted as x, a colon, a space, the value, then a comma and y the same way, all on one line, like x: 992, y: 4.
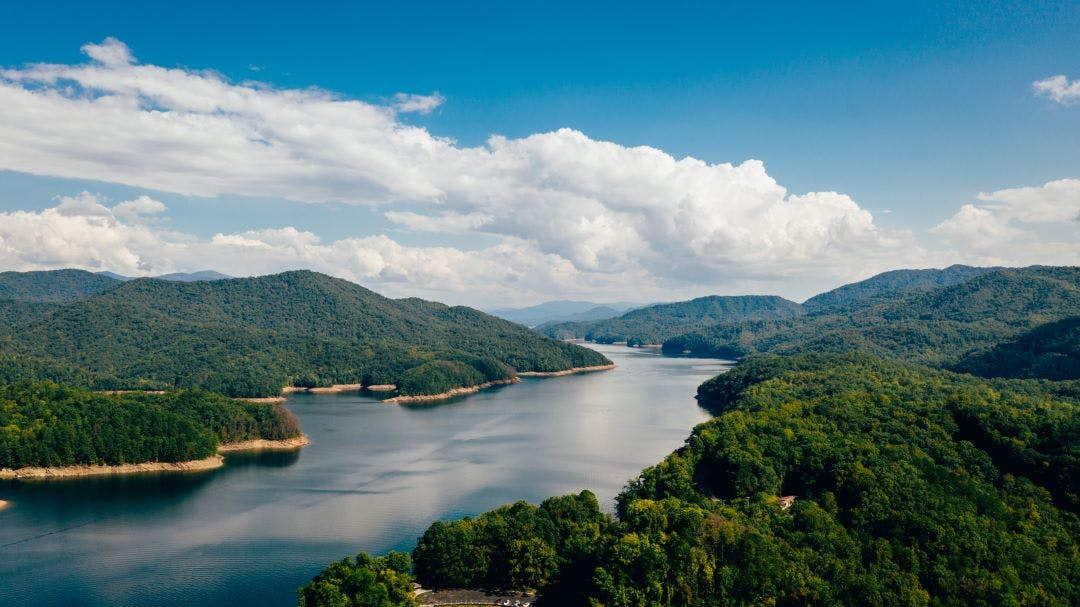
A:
x: 175, y: 276
x: 987, y: 321
x: 563, y: 311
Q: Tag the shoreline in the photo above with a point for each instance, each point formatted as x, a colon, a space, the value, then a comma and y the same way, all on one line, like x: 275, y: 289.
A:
x: 572, y: 371
x: 266, y: 444
x: 430, y: 398
x: 322, y: 389
x: 381, y: 387
x: 262, y: 400
x: 199, y: 465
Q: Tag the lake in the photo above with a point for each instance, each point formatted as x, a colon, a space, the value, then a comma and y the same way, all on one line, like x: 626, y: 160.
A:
x: 374, y: 477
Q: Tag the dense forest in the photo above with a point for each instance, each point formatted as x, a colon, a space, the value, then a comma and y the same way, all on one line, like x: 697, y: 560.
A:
x: 362, y: 582
x: 940, y: 327
x: 656, y: 323
x: 823, y: 479
x: 53, y: 285
x: 878, y: 288
x: 252, y: 336
x: 855, y: 466
x: 705, y: 324
x: 1050, y: 351
x: 45, y: 424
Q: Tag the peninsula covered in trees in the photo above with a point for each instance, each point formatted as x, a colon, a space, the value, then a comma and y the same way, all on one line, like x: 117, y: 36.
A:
x: 43, y: 424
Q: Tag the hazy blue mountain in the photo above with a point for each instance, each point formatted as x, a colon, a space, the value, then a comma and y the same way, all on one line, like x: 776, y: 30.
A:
x: 113, y: 275
x: 176, y: 276
x: 194, y: 276
x: 563, y: 311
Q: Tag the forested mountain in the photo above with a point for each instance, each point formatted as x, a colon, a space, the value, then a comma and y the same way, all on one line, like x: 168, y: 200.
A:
x: 879, y: 288
x: 44, y: 424
x: 654, y: 324
x: 251, y: 336
x: 823, y: 480
x: 53, y: 285
x: 937, y: 327
x: 1049, y: 351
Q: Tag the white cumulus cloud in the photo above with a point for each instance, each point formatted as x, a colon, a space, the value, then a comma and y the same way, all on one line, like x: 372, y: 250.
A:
x: 604, y: 207
x: 421, y: 104
x: 570, y: 214
x: 1059, y: 89
x: 1019, y: 226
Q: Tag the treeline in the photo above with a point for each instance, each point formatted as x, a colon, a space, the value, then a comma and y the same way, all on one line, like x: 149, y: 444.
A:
x: 251, y: 337
x: 1050, y: 351
x: 43, y: 424
x: 362, y: 582
x: 824, y: 479
x: 516, y: 547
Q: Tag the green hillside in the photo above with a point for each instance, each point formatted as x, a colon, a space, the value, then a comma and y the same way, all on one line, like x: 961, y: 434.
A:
x: 1049, y: 351
x: 251, y: 336
x: 877, y: 289
x: 656, y: 323
x: 938, y: 327
x: 44, y: 424
x: 53, y: 285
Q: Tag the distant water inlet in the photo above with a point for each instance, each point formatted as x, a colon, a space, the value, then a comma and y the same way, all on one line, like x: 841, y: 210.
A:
x: 373, y: 478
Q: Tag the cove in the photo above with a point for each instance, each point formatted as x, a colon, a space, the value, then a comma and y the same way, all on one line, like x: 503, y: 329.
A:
x: 374, y: 477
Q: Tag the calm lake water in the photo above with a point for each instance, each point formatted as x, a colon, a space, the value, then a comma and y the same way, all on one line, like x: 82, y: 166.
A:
x: 373, y: 479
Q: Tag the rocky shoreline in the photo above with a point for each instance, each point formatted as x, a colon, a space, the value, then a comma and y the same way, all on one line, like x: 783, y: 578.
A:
x: 200, y: 465
x: 264, y: 444
x: 566, y: 371
x: 430, y: 398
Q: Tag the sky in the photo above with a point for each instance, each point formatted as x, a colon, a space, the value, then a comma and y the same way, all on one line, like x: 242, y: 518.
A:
x: 500, y: 154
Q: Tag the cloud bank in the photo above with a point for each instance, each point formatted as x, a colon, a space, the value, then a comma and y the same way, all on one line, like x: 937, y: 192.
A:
x: 569, y: 214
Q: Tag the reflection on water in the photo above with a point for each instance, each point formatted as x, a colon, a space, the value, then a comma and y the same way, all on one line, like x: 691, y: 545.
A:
x: 373, y: 478
x: 268, y: 459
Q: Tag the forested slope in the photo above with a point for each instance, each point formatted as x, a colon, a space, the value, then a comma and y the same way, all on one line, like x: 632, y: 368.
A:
x: 251, y: 336
x: 656, y: 323
x: 937, y: 327
x: 887, y: 285
x: 45, y: 424
x: 53, y: 285
x: 1050, y: 351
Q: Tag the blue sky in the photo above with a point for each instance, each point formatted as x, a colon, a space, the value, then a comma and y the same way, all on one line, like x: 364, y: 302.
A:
x: 910, y: 110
